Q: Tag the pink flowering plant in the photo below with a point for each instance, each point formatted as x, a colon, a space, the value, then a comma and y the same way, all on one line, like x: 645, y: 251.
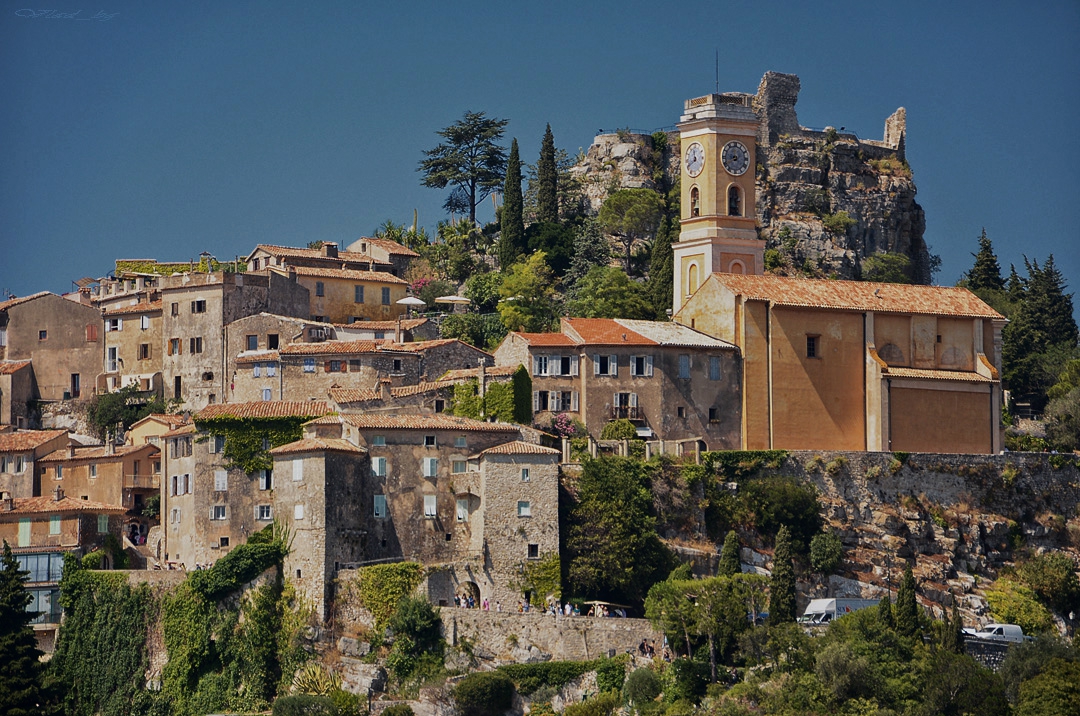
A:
x: 564, y: 426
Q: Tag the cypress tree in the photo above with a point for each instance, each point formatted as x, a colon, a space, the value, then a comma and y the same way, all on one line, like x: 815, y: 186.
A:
x: 907, y: 609
x: 511, y: 221
x: 20, y: 670
x: 662, y: 270
x: 782, y: 588
x: 986, y: 273
x: 1015, y: 287
x: 952, y: 638
x: 547, y: 176
x: 729, y: 556
x: 885, y: 613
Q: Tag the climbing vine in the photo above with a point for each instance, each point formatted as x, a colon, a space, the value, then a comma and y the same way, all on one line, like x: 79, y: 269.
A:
x: 382, y: 586
x: 541, y: 577
x: 247, y: 440
x: 500, y: 402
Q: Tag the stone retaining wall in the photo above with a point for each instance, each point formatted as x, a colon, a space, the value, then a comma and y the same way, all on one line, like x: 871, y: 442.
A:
x: 534, y: 637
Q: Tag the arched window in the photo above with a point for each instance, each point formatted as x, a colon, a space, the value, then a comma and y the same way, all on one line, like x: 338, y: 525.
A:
x: 692, y: 279
x: 734, y: 201
x: 695, y: 202
x: 737, y: 267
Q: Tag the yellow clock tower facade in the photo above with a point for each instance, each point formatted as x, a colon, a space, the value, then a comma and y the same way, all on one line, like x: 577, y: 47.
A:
x: 719, y: 226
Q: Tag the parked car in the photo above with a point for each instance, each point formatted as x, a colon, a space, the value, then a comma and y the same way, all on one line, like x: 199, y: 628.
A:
x: 999, y: 632
x: 823, y: 611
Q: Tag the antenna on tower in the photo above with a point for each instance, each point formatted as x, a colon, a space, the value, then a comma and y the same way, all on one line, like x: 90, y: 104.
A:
x: 718, y: 70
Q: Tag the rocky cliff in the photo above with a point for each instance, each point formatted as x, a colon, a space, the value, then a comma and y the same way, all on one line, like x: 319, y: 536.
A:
x: 826, y: 199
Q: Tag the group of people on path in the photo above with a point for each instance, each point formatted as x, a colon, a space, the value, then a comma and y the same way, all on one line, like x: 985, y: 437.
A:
x: 467, y: 601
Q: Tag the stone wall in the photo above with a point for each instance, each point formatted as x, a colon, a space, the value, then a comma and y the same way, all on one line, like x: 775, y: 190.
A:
x: 535, y: 637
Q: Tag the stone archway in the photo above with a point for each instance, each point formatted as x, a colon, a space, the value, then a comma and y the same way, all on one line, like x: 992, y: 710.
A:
x: 470, y: 589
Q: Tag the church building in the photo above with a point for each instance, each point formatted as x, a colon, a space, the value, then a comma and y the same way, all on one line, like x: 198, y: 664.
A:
x: 827, y: 365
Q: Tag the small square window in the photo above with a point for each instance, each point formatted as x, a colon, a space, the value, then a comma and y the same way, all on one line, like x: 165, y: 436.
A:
x: 252, y: 343
x: 534, y: 551
x: 298, y: 512
x: 525, y: 474
x: 460, y: 441
x: 681, y: 411
x: 266, y: 512
x: 43, y: 335
x: 429, y: 441
x: 223, y: 542
x: 714, y: 415
x: 440, y: 405
x: 378, y: 441
x: 397, y: 365
x: 198, y: 306
x: 458, y: 467
x: 309, y: 365
x: 218, y: 512
x: 524, y: 508
x: 272, y: 341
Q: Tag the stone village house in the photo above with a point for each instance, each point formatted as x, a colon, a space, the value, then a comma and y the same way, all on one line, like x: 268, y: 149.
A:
x: 674, y: 383
x: 466, y: 497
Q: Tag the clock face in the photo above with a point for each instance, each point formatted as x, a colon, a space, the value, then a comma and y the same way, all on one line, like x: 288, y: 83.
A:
x: 695, y: 159
x: 736, y: 158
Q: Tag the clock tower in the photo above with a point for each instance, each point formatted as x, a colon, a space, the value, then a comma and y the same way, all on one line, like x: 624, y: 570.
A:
x: 719, y: 222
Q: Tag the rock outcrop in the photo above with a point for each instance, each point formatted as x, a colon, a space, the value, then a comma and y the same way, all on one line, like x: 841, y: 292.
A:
x: 826, y: 199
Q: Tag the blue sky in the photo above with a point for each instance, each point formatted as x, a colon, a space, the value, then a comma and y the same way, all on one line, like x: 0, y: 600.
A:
x: 164, y: 129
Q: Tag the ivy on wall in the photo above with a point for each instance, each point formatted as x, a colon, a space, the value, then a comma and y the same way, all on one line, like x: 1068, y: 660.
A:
x: 541, y: 577
x: 382, y: 586
x: 509, y: 402
x: 247, y: 440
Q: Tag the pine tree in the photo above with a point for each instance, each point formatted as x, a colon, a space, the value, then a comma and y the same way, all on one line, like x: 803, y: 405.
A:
x: 1015, y: 286
x: 511, y: 223
x: 782, y: 589
x: 729, y: 556
x: 1042, y: 324
x: 590, y: 249
x: 20, y: 670
x: 986, y: 273
x: 662, y: 270
x: 907, y: 609
x: 547, y: 175
x: 469, y: 161
x: 885, y: 613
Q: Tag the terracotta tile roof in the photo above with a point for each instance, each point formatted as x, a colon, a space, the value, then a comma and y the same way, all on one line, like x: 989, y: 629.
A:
x: 859, y: 295
x: 519, y: 447
x: 349, y: 274
x: 98, y: 452
x: 353, y: 395
x: 256, y: 357
x: 141, y: 307
x: 47, y: 504
x: 417, y: 346
x: 605, y: 332
x: 926, y: 374
x: 328, y: 348
x: 9, y: 367
x: 390, y: 247
x: 334, y: 419
x: 407, y: 324
x: 170, y: 419
x: 5, y: 305
x: 265, y: 409
x: 406, y: 390
x: 467, y: 373
x: 424, y: 422
x: 667, y: 333
x: 317, y: 445
x: 287, y: 251
x: 182, y: 430
x: 23, y: 440
x: 546, y: 339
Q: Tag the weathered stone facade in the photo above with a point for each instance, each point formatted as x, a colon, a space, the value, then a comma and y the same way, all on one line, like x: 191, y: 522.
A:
x: 133, y: 347
x: 20, y: 474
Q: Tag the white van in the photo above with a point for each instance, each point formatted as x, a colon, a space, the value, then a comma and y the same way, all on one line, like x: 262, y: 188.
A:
x: 1000, y: 632
x: 823, y: 611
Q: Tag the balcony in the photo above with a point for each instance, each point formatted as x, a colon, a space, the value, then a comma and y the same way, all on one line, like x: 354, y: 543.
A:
x: 619, y: 412
x: 142, y: 482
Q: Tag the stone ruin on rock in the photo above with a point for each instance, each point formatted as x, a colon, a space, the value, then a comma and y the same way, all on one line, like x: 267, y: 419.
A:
x: 805, y: 179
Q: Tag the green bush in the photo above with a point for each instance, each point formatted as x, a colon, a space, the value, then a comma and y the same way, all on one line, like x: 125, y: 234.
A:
x: 690, y: 678
x: 304, y: 705
x: 621, y: 429
x: 642, y: 687
x: 528, y: 678
x: 602, y: 705
x: 1052, y: 576
x: 826, y: 551
x: 242, y: 564
x: 487, y: 693
x: 766, y: 503
x: 611, y: 673
x: 398, y: 710
x: 418, y: 646
x: 1014, y: 603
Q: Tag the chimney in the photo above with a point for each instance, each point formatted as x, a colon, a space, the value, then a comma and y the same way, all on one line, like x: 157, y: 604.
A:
x: 59, y: 493
x: 329, y: 249
x: 110, y: 447
x: 384, y: 389
x: 398, y: 338
x: 71, y: 451
x: 6, y: 503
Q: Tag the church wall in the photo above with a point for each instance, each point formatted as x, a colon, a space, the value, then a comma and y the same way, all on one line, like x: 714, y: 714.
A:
x: 756, y: 370
x: 954, y: 348
x: 817, y: 402
x: 956, y: 420
x: 895, y: 331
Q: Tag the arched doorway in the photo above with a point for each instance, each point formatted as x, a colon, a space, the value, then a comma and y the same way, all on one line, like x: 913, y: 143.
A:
x: 469, y: 591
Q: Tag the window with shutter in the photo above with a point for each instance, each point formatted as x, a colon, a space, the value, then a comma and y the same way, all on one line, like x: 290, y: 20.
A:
x: 613, y: 365
x: 714, y: 367
x: 297, y: 470
x: 378, y: 466
x: 574, y: 407
x: 430, y: 506
x: 256, y: 370
x: 380, y: 505
x: 221, y: 480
